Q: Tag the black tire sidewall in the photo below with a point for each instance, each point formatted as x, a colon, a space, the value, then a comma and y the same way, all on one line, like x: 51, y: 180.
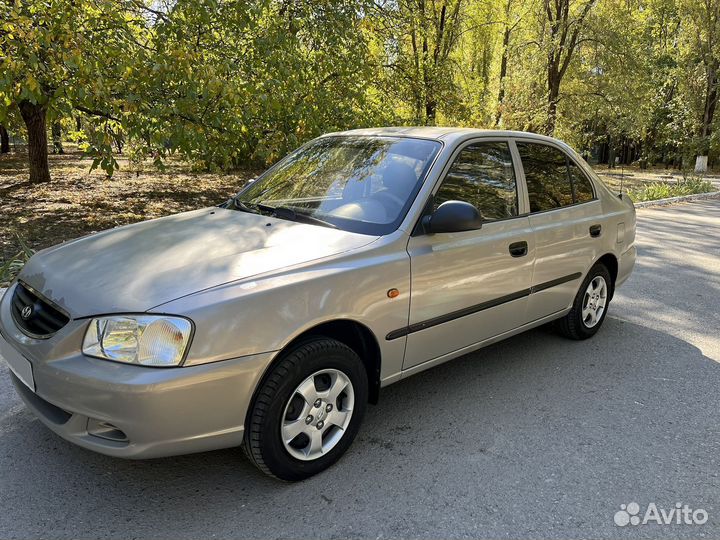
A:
x: 595, y: 271
x: 304, y: 360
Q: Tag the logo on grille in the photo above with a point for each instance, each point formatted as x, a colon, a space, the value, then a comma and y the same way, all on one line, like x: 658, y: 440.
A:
x: 26, y: 312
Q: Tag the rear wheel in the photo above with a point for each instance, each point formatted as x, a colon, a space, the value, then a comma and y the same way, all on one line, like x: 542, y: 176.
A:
x: 308, y: 410
x: 590, y: 305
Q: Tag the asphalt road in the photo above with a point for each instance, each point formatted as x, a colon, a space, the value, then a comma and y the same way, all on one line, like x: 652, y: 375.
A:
x: 537, y: 437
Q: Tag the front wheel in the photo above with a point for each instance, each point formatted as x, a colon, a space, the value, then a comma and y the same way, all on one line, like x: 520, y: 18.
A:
x: 590, y: 305
x: 308, y: 410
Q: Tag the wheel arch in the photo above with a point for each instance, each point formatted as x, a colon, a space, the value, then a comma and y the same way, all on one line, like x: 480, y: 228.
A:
x: 610, y: 261
x: 355, y: 335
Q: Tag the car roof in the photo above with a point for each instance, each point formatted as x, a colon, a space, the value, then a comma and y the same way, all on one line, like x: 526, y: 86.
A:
x: 447, y: 134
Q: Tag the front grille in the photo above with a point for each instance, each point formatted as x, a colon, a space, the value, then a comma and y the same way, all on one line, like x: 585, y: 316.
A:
x: 42, y: 319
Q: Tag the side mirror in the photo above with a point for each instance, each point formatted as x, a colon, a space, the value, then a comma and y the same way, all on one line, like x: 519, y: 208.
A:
x: 453, y: 216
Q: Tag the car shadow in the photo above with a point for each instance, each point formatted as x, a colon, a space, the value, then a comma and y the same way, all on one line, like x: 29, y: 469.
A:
x: 537, y: 436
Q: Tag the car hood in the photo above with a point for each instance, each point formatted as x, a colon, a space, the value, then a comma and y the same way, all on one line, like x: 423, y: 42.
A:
x: 140, y: 266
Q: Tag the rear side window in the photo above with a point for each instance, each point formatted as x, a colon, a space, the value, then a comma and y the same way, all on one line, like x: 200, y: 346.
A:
x: 553, y: 179
x: 546, y: 173
x: 581, y: 184
x: 482, y: 175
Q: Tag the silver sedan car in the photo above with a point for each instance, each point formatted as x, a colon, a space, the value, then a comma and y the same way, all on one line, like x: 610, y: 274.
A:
x: 271, y: 321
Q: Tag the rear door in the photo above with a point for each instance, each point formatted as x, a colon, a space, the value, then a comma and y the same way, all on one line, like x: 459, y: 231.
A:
x: 471, y: 285
x: 565, y: 216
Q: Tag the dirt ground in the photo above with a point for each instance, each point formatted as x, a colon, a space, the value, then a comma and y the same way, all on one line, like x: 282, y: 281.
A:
x: 78, y: 202
x: 631, y: 177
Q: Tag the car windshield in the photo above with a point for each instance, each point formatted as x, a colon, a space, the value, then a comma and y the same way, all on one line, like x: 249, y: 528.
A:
x: 360, y: 184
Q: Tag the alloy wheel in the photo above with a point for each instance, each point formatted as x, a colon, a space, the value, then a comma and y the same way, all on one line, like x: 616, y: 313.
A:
x: 317, y: 414
x: 594, y: 301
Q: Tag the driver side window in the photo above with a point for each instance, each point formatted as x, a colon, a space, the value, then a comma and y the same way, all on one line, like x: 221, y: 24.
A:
x: 482, y: 175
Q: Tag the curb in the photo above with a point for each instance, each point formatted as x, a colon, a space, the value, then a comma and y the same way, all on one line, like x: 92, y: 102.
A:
x: 682, y: 198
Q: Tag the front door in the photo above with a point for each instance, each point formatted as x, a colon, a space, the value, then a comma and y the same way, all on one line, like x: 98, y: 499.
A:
x: 472, y: 285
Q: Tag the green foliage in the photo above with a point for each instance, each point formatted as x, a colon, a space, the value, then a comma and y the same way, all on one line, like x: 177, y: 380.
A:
x: 70, y: 56
x: 224, y: 83
x: 665, y: 190
x: 234, y: 82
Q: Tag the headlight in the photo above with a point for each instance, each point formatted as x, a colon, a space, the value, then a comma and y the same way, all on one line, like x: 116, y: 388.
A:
x: 147, y: 340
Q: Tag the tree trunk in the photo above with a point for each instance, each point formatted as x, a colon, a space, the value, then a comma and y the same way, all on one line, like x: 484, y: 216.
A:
x: 57, y: 138
x: 4, y: 140
x: 553, y: 95
x: 34, y: 117
x: 119, y: 142
x: 710, y: 103
x: 503, y: 64
x: 426, y: 84
x: 503, y: 73
x: 701, y: 164
x: 707, y: 120
x: 430, y: 112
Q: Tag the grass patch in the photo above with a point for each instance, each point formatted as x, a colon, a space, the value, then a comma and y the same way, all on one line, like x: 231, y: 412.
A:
x: 665, y: 190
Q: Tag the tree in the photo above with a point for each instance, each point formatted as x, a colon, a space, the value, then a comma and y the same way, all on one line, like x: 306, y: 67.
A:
x: 607, y: 88
x: 4, y: 140
x: 57, y: 138
x: 703, y: 17
x: 33, y: 114
x: 57, y: 56
x: 224, y: 83
x: 418, y: 38
x: 565, y: 27
x: 508, y: 28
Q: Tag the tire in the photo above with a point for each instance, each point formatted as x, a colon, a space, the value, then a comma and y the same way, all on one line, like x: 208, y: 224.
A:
x: 577, y: 324
x: 279, y: 404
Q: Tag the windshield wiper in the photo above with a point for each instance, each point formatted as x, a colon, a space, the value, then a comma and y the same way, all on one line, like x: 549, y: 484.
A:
x: 245, y: 207
x: 285, y: 212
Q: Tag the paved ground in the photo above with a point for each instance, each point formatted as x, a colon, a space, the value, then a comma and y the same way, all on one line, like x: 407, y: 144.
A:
x: 537, y: 437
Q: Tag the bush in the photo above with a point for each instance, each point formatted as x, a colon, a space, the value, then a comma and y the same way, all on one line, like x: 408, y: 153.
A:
x: 10, y: 268
x: 664, y: 190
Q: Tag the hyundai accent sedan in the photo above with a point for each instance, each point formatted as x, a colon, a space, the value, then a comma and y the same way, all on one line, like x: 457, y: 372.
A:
x: 271, y: 321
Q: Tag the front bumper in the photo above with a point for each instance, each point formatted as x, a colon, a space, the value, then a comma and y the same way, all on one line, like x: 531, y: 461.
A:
x: 135, y: 411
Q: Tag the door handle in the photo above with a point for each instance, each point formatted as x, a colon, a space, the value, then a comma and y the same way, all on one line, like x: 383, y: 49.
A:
x: 518, y: 249
x: 595, y: 230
